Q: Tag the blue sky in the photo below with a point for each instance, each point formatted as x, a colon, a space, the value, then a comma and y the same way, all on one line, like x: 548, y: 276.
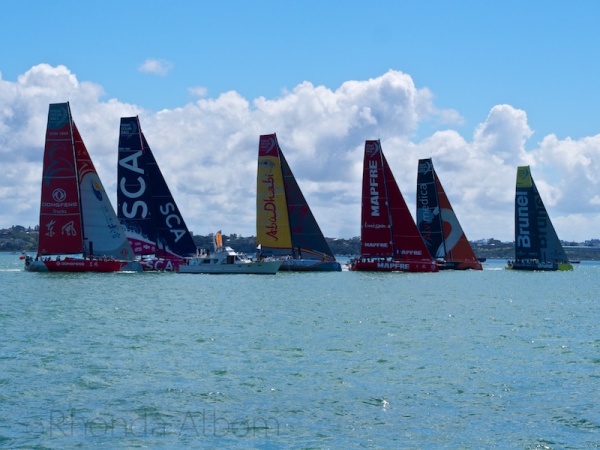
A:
x: 464, y: 58
x: 538, y: 56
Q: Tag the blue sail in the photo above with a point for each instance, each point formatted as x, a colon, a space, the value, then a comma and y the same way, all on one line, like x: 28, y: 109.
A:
x: 537, y: 246
x: 146, y: 207
x: 535, y: 237
x: 429, y: 219
x: 307, y: 237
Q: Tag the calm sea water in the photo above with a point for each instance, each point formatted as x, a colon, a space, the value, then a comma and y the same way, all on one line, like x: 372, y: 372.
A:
x: 491, y: 359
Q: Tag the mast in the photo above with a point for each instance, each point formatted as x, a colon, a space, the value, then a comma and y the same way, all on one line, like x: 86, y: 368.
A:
x: 387, y: 186
x: 134, y: 200
x: 438, y: 187
x: 83, y: 238
x: 153, y: 217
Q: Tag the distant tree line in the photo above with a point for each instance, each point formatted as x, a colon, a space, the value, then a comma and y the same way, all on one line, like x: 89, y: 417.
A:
x: 18, y: 238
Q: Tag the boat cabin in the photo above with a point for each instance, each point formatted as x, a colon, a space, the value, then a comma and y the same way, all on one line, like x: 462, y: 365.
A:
x: 223, y: 255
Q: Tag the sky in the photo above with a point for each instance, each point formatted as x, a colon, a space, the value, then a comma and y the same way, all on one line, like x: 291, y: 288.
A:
x: 480, y: 87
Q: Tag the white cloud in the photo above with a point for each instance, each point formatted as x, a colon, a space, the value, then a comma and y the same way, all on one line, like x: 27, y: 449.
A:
x: 198, y: 91
x: 207, y: 151
x: 159, y: 67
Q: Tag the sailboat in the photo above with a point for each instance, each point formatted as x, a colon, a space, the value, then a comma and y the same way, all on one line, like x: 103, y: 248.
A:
x: 537, y: 246
x: 390, y: 240
x: 145, y: 207
x: 285, y: 226
x: 438, y: 224
x: 76, y: 216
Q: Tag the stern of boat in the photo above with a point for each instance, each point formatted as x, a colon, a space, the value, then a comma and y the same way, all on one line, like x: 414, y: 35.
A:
x: 131, y: 266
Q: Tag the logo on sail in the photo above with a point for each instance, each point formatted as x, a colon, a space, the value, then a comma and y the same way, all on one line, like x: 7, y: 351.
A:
x: 58, y: 116
x: 97, y: 189
x: 59, y: 195
x: 372, y: 148
x: 425, y: 166
x: 267, y: 145
x: 128, y: 127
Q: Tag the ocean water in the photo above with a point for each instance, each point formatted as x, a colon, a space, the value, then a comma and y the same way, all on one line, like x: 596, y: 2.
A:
x: 465, y: 360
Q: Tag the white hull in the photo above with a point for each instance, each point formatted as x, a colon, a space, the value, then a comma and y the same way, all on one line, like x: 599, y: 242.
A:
x: 310, y: 265
x: 226, y: 261
x: 258, y: 268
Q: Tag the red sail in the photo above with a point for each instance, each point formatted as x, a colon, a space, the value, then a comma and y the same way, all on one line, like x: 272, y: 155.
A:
x: 60, y: 218
x: 390, y: 240
x: 376, y: 236
x: 408, y: 244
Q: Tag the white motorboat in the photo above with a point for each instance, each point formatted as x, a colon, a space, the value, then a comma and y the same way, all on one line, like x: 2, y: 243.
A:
x: 226, y: 260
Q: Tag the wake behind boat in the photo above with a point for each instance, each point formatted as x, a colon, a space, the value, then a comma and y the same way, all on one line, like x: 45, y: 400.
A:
x: 76, y: 216
x: 438, y: 224
x: 224, y: 260
x: 285, y: 226
x: 389, y: 240
x: 537, y: 246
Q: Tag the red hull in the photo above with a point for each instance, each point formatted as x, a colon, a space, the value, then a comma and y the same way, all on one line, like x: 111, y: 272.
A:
x: 76, y: 265
x: 381, y: 265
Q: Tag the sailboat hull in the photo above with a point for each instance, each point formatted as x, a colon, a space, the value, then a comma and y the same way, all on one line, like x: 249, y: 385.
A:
x: 460, y: 265
x: 538, y: 266
x: 251, y: 268
x: 161, y: 264
x: 82, y: 265
x: 381, y: 265
x: 310, y: 265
